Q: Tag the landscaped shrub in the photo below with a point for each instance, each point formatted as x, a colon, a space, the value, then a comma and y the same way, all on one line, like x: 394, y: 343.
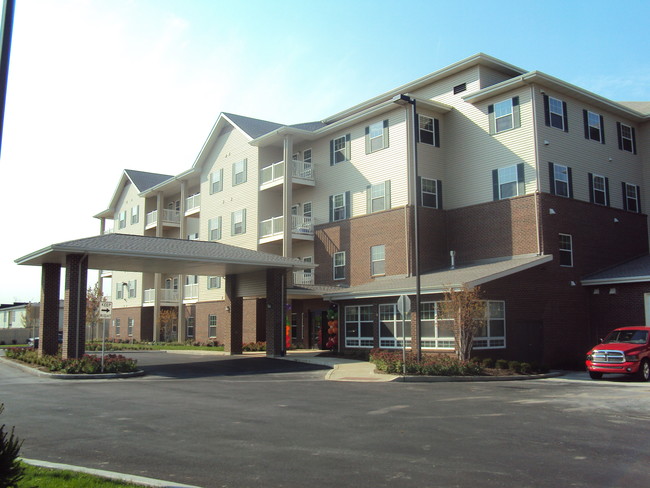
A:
x: 501, y: 364
x: 392, y: 362
x: 113, y: 363
x: 488, y: 363
x: 514, y: 366
x: 525, y: 368
x: 254, y: 346
x: 11, y: 471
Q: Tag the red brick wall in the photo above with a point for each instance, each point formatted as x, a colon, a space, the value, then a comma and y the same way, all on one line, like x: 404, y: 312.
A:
x: 622, y: 308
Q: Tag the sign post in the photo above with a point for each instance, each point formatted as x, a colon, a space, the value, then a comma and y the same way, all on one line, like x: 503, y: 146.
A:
x: 105, y: 311
x: 403, y: 306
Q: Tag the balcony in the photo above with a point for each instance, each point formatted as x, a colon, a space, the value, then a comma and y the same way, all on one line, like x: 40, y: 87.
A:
x: 193, y: 204
x: 302, y: 173
x: 170, y: 218
x: 191, y: 292
x: 305, y: 277
x: 167, y: 297
x: 302, y: 228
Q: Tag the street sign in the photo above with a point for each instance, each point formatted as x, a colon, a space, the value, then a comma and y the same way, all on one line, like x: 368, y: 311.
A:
x: 105, y: 309
x: 403, y: 305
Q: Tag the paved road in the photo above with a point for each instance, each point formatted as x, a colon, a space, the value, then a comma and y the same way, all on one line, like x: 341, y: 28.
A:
x: 248, y: 422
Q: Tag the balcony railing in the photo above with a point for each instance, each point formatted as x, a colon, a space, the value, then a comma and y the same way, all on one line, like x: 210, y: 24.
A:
x: 193, y: 204
x: 169, y: 216
x: 305, y: 277
x: 191, y: 291
x: 302, y: 225
x: 274, y: 226
x: 271, y: 227
x: 275, y: 172
x: 166, y: 295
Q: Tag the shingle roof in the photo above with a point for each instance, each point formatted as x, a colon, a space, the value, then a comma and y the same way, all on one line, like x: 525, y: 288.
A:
x: 634, y: 271
x: 143, y: 180
x: 253, y: 127
x: 309, y: 126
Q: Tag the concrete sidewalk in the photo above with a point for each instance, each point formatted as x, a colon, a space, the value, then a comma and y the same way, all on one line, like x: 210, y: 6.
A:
x: 342, y: 369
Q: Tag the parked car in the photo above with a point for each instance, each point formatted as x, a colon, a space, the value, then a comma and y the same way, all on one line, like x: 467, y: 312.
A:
x: 624, y: 351
x: 33, y: 341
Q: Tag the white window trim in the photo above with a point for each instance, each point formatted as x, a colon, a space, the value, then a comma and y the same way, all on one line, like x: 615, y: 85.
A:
x: 341, y: 208
x: 502, y: 183
x: 510, y: 114
x: 635, y: 198
x: 590, y: 125
x: 374, y: 262
x: 492, y: 341
x: 335, y: 266
x: 602, y: 191
x: 421, y: 128
x: 359, y: 340
x: 214, y: 282
x: 551, y: 112
x: 390, y: 316
x: 567, y: 251
x: 558, y: 168
x: 210, y: 326
x: 239, y: 170
x: 434, y: 193
x: 216, y: 181
x: 624, y: 138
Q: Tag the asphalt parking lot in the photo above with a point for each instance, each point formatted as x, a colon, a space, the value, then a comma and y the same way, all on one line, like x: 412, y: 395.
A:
x: 220, y: 421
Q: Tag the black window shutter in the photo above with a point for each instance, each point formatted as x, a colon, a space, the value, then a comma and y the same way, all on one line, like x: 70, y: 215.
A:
x: 624, y: 193
x: 332, y: 208
x: 439, y: 193
x: 602, y: 129
x: 367, y: 140
x: 348, y: 148
x: 436, y: 133
x: 495, y: 184
x: 331, y: 152
x: 586, y: 120
x: 521, y: 183
x: 570, y: 178
x: 638, y: 199
x: 633, y: 140
x: 491, y: 120
x: 591, y: 187
x: 386, y: 133
x: 551, y: 176
x: 348, y: 210
x: 516, y: 113
x: 418, y: 190
x: 566, y: 117
x: 547, y: 111
x: 369, y: 199
x: 607, y: 191
x: 619, y: 133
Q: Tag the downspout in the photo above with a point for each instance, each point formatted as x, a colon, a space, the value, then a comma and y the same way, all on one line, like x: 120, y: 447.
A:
x: 537, y: 176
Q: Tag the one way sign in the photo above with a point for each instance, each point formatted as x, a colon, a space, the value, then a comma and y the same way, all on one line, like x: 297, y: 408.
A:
x: 105, y: 309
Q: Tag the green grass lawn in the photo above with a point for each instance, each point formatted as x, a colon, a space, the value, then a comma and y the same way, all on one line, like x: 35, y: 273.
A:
x: 36, y: 477
x: 124, y: 346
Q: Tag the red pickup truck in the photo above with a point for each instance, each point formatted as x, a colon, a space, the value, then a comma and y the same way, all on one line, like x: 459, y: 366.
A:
x: 623, y: 351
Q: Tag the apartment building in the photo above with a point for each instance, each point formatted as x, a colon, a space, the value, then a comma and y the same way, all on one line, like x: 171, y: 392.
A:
x: 521, y: 183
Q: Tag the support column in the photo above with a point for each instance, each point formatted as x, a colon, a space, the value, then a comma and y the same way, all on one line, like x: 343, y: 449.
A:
x: 74, y: 308
x: 275, y: 300
x: 287, y: 198
x: 48, y: 314
x: 234, y: 317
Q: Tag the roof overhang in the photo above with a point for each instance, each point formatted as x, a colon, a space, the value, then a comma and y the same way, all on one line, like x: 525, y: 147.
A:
x: 123, y: 252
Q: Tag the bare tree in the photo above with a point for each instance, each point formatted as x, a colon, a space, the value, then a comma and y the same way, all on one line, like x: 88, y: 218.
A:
x: 30, y: 318
x: 467, y: 309
x: 94, y: 297
x: 168, y: 317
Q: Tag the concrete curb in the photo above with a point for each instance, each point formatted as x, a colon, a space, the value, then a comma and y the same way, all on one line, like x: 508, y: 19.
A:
x: 59, y: 376
x: 441, y: 379
x: 112, y: 475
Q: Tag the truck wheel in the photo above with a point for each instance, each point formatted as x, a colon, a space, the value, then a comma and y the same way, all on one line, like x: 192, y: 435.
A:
x: 644, y: 371
x: 595, y: 375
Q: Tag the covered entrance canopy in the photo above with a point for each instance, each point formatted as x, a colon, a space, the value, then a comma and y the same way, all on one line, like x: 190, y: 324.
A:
x: 123, y: 252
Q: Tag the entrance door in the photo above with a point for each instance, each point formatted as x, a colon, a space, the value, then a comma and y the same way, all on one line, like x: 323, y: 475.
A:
x: 317, y: 320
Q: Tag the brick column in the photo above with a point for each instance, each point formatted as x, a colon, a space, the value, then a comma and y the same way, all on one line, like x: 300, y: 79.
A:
x: 275, y: 300
x: 74, y: 308
x: 48, y: 314
x: 234, y: 318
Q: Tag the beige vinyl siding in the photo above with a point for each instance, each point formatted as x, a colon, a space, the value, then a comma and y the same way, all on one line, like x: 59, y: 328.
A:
x: 491, y: 76
x: 431, y: 159
x: 443, y: 90
x: 125, y: 277
x: 126, y: 202
x: 206, y: 294
x: 363, y: 169
x: 586, y: 156
x: 251, y: 284
x: 231, y: 147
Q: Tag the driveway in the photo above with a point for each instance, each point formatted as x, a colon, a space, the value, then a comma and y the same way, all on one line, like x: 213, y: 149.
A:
x: 219, y: 421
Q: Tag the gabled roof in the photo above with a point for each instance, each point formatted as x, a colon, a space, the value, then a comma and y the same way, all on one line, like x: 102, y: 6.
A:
x: 440, y: 281
x: 253, y: 127
x: 634, y: 271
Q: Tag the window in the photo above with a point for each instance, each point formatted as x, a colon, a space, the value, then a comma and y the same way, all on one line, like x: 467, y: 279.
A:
x: 359, y: 326
x: 508, y: 182
x: 428, y: 130
x: 214, y: 229
x: 216, y: 181
x: 437, y: 331
x: 376, y: 136
x: 132, y: 288
x: 212, y: 326
x: 122, y: 220
x: 238, y: 222
x: 338, y: 265
x: 626, y: 137
x: 631, y: 197
x: 594, y: 129
x: 390, y: 327
x: 306, y: 155
x: 191, y: 325
x: 306, y: 210
x: 239, y: 172
x: 340, y: 149
x: 560, y: 180
x: 555, y: 113
x: 378, y: 260
x: 493, y: 332
x: 130, y: 323
x: 504, y: 115
x: 214, y: 282
x: 378, y: 197
x: 119, y: 291
x: 135, y: 214
x: 431, y: 193
x: 340, y: 206
x: 308, y: 274
x: 460, y: 88
x: 598, y: 189
x: 566, y: 250
x: 117, y: 326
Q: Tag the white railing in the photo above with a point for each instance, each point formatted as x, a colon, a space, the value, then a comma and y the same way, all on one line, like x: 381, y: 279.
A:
x: 275, y: 171
x: 272, y: 173
x: 303, y: 277
x: 193, y: 203
x: 191, y: 291
x: 302, y: 169
x: 151, y: 218
x: 166, y: 295
x: 149, y: 296
x: 169, y: 217
x: 271, y: 227
x: 301, y: 225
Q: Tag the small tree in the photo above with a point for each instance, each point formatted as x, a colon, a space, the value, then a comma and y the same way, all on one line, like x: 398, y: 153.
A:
x: 30, y: 318
x: 467, y: 309
x: 11, y: 471
x: 94, y: 297
x: 167, y: 318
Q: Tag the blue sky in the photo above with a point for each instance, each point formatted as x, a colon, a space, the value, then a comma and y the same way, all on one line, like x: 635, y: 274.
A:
x: 97, y: 86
